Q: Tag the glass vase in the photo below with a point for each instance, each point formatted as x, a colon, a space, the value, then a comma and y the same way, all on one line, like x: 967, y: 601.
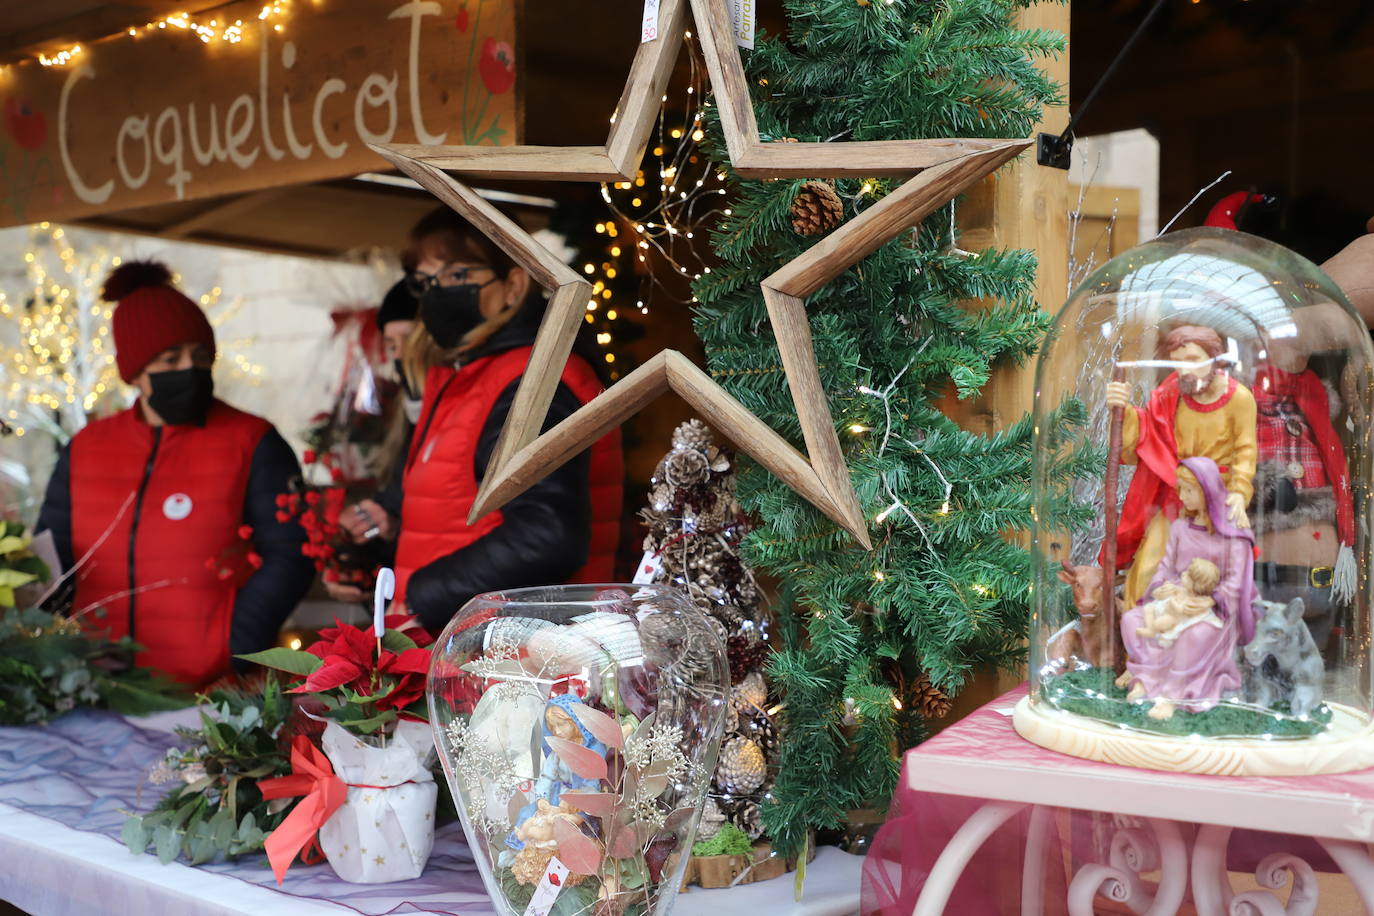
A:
x: 578, y: 727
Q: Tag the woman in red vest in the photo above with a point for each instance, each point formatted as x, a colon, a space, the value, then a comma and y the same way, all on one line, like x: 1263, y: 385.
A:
x: 152, y: 504
x: 481, y: 307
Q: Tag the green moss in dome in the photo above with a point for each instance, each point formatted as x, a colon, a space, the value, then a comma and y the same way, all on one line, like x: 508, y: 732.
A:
x: 1092, y: 692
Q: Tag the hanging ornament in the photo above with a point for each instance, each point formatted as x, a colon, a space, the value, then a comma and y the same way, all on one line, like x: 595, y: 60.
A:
x: 817, y: 208
x: 932, y: 702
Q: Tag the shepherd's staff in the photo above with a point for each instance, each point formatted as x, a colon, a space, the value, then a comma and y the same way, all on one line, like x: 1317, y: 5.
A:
x: 1109, y: 526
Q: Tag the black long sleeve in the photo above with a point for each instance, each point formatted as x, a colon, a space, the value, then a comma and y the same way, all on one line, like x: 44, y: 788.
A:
x: 56, y: 517
x: 272, y: 593
x: 56, y: 514
x: 543, y: 539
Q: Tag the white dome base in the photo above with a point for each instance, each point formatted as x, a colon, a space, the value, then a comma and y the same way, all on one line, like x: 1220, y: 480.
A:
x: 1347, y: 745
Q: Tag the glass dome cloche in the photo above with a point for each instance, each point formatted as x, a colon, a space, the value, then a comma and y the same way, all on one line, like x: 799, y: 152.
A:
x: 578, y: 727
x: 1201, y: 553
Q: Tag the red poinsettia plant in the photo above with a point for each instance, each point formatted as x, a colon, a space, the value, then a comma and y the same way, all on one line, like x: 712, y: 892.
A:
x: 361, y: 683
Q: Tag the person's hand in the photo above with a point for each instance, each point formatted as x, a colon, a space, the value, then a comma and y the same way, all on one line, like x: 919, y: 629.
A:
x: 349, y: 594
x: 366, y: 520
x: 1235, y: 504
x: 1118, y: 394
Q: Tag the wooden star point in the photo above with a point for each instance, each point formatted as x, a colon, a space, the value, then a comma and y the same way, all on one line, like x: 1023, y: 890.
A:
x: 616, y: 160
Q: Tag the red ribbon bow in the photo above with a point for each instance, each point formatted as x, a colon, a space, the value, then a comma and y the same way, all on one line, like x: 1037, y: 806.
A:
x: 324, y: 792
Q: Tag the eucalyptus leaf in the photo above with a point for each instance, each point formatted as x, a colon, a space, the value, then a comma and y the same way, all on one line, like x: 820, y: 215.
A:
x: 167, y: 842
x: 134, y: 834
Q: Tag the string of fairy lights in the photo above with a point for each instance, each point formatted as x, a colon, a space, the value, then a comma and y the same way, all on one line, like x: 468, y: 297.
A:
x: 213, y: 28
x: 650, y: 247
x: 58, y: 365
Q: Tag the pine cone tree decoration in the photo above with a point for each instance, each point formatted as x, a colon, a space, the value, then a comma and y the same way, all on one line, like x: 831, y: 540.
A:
x: 817, y: 208
x: 750, y: 693
x: 933, y: 702
x: 741, y: 768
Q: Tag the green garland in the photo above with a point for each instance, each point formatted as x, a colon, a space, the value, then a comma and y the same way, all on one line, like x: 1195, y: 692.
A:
x: 944, y: 591
x: 216, y: 810
x: 48, y: 666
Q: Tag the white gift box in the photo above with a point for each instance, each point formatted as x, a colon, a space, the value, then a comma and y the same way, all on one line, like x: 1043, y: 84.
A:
x: 385, y: 830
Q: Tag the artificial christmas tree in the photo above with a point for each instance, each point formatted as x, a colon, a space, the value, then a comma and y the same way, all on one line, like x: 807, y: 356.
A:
x: 872, y: 640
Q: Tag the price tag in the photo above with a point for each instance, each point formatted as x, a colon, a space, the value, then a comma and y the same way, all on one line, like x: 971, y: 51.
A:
x: 650, y: 565
x: 650, y: 27
x: 547, y: 891
x: 742, y: 16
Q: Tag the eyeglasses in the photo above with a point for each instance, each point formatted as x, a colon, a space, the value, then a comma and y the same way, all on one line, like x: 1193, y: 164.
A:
x: 419, y: 283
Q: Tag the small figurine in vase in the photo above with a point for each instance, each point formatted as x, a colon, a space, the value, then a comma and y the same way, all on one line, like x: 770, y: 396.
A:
x: 1200, y: 410
x: 1197, y: 666
x: 555, y: 775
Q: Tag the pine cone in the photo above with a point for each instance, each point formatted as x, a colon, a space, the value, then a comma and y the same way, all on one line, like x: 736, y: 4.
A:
x: 933, y: 702
x: 748, y: 819
x: 692, y: 434
x: 750, y: 693
x: 685, y: 467
x: 817, y: 208
x: 741, y: 768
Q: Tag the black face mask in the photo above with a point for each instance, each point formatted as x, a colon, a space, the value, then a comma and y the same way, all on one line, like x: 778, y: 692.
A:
x: 449, y: 312
x: 182, y: 397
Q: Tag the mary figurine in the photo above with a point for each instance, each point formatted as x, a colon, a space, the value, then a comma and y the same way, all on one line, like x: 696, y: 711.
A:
x: 1197, y: 667
x: 555, y: 776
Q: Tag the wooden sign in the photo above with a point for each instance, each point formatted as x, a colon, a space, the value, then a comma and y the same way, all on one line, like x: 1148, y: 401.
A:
x: 291, y: 95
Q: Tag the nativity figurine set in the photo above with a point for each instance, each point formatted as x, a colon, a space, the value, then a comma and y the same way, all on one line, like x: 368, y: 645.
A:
x: 579, y: 747
x: 1227, y: 581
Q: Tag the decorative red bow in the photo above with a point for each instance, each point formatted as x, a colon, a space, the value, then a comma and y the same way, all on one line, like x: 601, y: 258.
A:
x: 313, y: 777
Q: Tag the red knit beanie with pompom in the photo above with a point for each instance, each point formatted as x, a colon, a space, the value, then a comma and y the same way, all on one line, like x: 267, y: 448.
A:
x: 152, y: 316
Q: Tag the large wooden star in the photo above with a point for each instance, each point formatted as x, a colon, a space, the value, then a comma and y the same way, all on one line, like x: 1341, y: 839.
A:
x: 523, y: 456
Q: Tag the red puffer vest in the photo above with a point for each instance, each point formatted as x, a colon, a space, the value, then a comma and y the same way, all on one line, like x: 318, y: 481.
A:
x: 159, y: 509
x: 440, y: 480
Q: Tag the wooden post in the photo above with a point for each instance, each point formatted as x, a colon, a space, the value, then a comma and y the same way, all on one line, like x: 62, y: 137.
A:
x: 1024, y: 205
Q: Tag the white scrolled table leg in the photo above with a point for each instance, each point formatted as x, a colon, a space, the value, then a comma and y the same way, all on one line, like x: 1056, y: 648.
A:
x: 1134, y: 852
x: 1033, y: 869
x: 1354, y: 861
x: 1212, y: 885
x: 975, y: 831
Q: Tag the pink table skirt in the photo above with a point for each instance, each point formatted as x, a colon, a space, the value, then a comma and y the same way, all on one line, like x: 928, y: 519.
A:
x: 983, y: 759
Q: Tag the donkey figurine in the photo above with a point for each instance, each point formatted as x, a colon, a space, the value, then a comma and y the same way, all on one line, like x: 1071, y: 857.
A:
x: 1282, y: 662
x: 1092, y: 637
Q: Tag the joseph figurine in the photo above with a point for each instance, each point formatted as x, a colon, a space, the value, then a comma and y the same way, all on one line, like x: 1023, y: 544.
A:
x: 1199, y: 411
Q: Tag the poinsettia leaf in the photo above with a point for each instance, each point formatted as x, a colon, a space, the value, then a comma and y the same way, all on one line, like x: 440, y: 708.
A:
x: 583, y: 761
x: 281, y: 658
x: 600, y: 804
x: 576, y: 850
x: 603, y: 727
x: 397, y: 641
x: 412, y: 661
x: 369, y: 724
x: 334, y: 672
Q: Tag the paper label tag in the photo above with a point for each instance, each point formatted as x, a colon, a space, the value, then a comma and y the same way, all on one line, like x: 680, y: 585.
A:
x: 648, y: 569
x: 650, y: 26
x: 742, y: 17
x: 547, y: 891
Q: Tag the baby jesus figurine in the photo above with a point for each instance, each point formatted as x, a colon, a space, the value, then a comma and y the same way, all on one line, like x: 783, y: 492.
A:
x: 1177, y: 606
